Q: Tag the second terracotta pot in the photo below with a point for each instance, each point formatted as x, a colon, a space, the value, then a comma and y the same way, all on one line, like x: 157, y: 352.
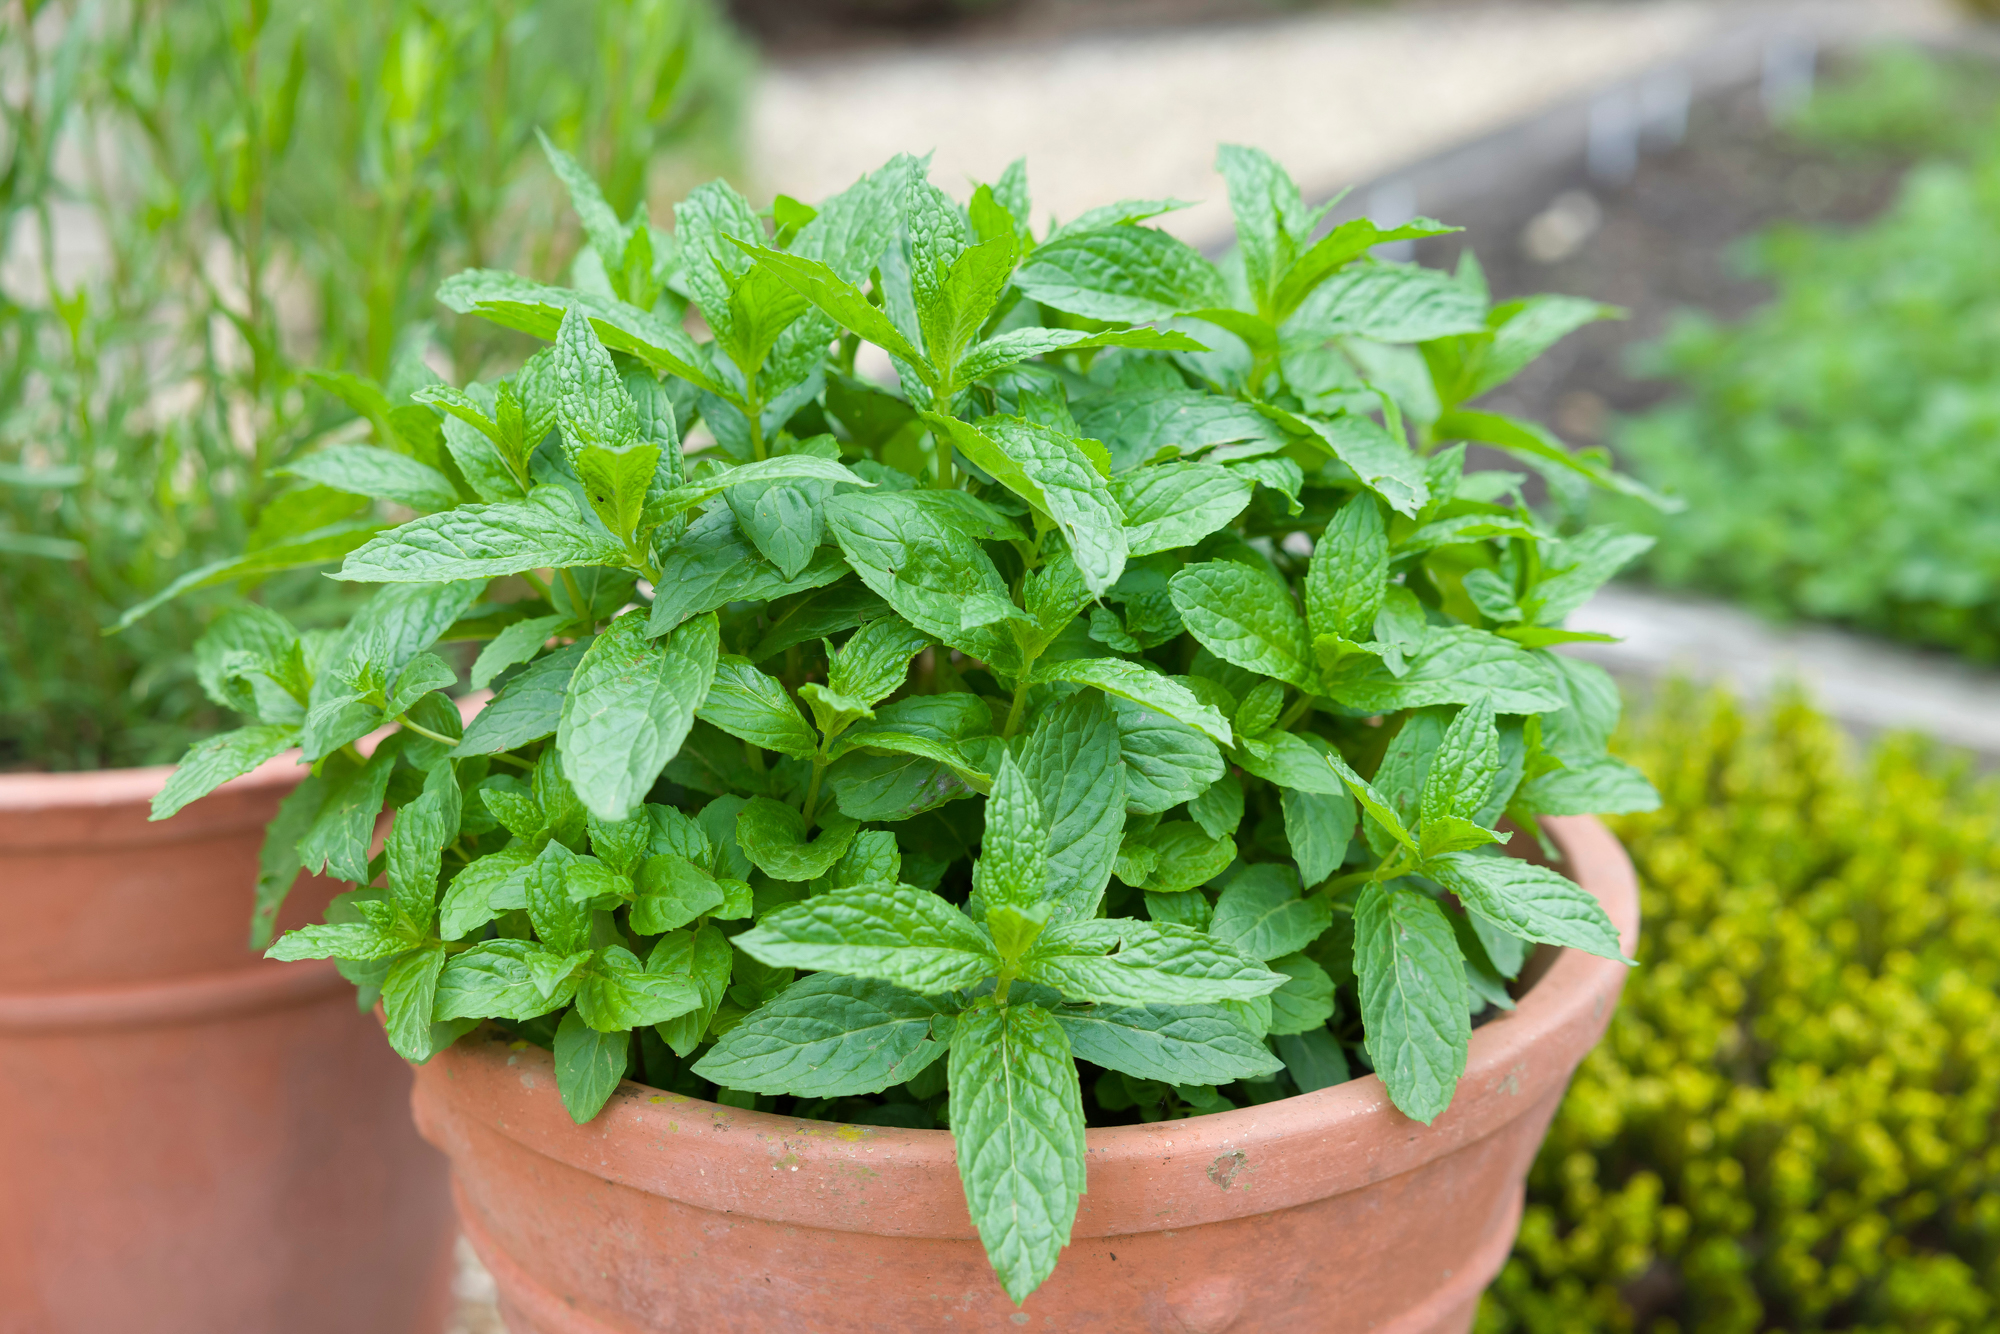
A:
x: 1327, y: 1212
x: 193, y: 1140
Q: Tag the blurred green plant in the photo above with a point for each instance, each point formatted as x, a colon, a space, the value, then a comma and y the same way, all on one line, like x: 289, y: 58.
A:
x: 198, y: 200
x: 1790, y: 1124
x: 1839, y: 448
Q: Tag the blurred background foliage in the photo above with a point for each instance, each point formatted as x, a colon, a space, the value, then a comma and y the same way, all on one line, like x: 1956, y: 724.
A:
x: 197, y: 201
x: 1790, y: 1123
x: 1839, y: 449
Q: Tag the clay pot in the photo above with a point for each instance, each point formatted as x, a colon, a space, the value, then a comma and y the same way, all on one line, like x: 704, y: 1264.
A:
x: 1326, y: 1212
x: 193, y: 1140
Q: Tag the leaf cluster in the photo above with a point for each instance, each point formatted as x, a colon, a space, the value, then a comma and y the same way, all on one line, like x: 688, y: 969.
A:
x: 1136, y: 686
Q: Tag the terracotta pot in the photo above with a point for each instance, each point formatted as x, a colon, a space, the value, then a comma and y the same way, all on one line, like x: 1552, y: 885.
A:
x: 193, y: 1140
x: 1327, y: 1212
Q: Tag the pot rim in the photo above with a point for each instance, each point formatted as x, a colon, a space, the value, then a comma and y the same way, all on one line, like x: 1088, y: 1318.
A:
x: 1142, y: 1178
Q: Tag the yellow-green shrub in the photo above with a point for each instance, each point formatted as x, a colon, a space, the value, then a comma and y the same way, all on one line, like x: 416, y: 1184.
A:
x: 1791, y: 1124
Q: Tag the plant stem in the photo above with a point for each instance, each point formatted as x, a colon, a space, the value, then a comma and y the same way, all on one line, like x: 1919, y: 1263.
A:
x: 1020, y: 699
x: 576, y: 598
x: 1300, y: 707
x: 426, y: 732
x: 812, y: 788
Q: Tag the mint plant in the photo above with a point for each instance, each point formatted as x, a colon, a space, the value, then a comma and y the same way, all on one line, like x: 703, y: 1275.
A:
x: 1113, y: 719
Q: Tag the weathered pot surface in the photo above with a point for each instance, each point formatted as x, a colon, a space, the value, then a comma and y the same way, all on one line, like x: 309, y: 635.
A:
x: 193, y: 1140
x: 1326, y: 1212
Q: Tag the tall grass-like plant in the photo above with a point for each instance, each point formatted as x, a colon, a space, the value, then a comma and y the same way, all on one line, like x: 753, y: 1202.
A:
x: 196, y: 202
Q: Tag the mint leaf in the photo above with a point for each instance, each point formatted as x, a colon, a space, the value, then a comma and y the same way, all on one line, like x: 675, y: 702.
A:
x: 705, y: 958
x: 893, y: 933
x: 1261, y: 916
x: 773, y: 836
x: 484, y: 542
x: 875, y: 660
x: 1528, y: 901
x: 922, y: 566
x: 1141, y: 685
x: 1155, y: 962
x: 1318, y: 827
x: 1414, y: 1003
x: 409, y: 993
x: 1384, y: 464
x: 1123, y: 273
x: 618, y: 993
x: 589, y: 1066
x: 497, y: 979
x: 842, y: 301
x: 1186, y: 1044
x: 1315, y: 1059
x: 211, y: 763
x: 828, y: 1036
x: 1017, y: 1126
x: 1271, y: 219
x: 746, y: 703
x: 629, y: 707
x: 1013, y: 865
x: 528, y: 708
x: 1050, y: 472
x: 337, y: 841
x: 1166, y: 762
x: 380, y: 474
x: 1177, y: 504
x: 671, y: 891
x: 516, y: 643
x: 1456, y: 664
x: 1245, y: 618
x: 1305, y: 1001
x: 1073, y: 765
x: 468, y: 905
x: 1349, y: 572
x: 1391, y: 303
x: 1463, y: 770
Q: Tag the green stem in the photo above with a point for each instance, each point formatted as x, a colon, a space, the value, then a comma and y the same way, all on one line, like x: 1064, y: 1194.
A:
x: 1020, y: 699
x: 535, y: 582
x: 812, y: 788
x: 514, y: 760
x: 1300, y: 707
x: 577, y: 603
x: 426, y: 732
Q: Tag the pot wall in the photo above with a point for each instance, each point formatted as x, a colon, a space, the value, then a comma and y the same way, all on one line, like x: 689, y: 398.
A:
x: 193, y: 1140
x: 1330, y: 1211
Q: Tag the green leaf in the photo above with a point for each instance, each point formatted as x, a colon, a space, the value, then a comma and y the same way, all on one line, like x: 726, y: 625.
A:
x: 589, y: 1065
x: 706, y: 958
x: 893, y: 933
x: 924, y: 567
x: 1155, y: 962
x: 747, y: 704
x: 711, y: 565
x: 1012, y: 870
x: 1219, y: 810
x: 1177, y: 504
x: 1141, y: 685
x: 1305, y: 1001
x: 1122, y: 273
x: 1391, y: 303
x: 600, y: 225
x: 828, y: 1036
x: 1049, y: 471
x: 1349, y: 572
x: 414, y: 848
x: 1017, y: 1126
x: 360, y: 941
x: 317, y: 547
x: 1578, y: 566
x: 409, y: 993
x: 1456, y: 664
x: 842, y: 301
x: 773, y: 836
x: 672, y: 891
x: 1414, y: 1002
x: 1016, y: 345
x: 484, y: 542
x: 1537, y: 445
x: 516, y: 643
x: 562, y: 923
x: 1314, y: 1058
x: 1166, y: 763
x: 1345, y: 243
x: 1528, y: 901
x: 1186, y: 1044
x: 1384, y: 464
x: 380, y: 474
x: 1271, y: 219
x: 337, y: 842
x: 1184, y: 856
x: 1261, y: 916
x: 629, y: 707
x: 528, y: 708
x: 618, y: 993
x: 1372, y: 801
x: 1318, y: 826
x: 1074, y: 767
x: 467, y: 904
x: 875, y: 660
x: 1244, y: 618
x: 278, y: 861
x: 1604, y: 785
x: 1289, y: 760
x: 1467, y: 762
x: 503, y: 979
x: 211, y: 763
